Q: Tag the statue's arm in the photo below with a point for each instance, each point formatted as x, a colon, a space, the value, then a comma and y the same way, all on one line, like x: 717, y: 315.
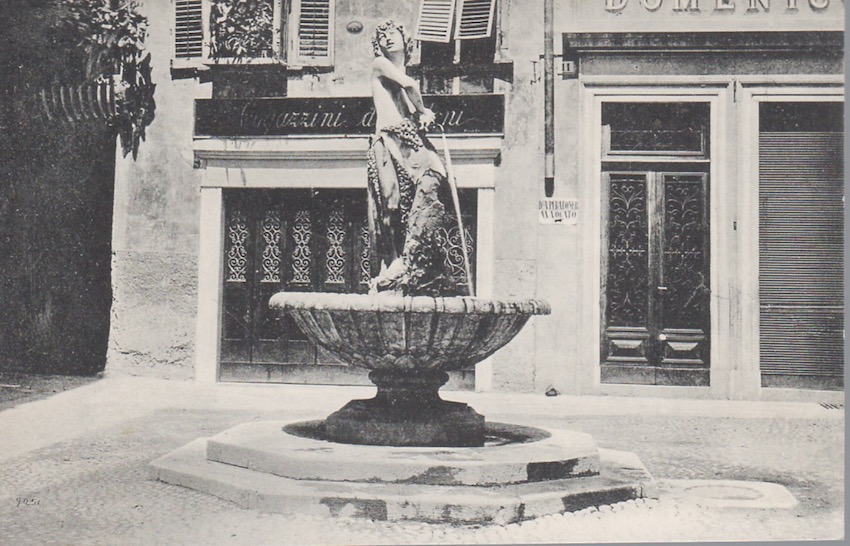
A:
x: 383, y: 67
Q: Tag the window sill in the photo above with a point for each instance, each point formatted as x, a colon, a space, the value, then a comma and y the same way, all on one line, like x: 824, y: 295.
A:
x: 204, y: 68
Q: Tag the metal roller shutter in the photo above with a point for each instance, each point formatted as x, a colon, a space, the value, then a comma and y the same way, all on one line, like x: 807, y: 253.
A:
x: 801, y: 271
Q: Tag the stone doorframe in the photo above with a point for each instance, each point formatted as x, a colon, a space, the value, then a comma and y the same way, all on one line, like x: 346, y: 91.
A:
x: 594, y: 91
x: 733, y: 197
x: 320, y: 163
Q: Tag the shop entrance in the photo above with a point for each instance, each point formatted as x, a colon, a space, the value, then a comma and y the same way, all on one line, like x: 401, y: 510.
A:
x: 301, y: 241
x: 655, y: 247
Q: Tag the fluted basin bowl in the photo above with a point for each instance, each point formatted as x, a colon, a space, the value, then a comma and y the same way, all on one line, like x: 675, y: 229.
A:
x: 408, y: 343
x: 404, y: 333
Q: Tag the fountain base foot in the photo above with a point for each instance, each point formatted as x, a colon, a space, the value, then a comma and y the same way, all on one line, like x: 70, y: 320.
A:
x: 367, y: 422
x: 406, y: 411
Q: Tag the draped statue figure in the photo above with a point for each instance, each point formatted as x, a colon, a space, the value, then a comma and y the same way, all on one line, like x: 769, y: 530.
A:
x: 409, y: 196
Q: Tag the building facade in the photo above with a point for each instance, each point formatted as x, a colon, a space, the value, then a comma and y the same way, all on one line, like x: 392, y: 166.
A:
x: 692, y: 244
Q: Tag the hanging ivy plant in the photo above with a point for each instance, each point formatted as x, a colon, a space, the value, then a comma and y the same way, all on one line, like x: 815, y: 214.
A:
x: 112, y: 34
x: 241, y: 28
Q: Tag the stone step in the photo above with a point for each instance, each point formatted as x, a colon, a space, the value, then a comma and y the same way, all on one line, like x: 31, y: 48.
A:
x: 516, y: 454
x: 622, y: 477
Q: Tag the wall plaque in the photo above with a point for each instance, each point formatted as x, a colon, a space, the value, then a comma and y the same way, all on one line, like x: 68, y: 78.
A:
x: 557, y: 211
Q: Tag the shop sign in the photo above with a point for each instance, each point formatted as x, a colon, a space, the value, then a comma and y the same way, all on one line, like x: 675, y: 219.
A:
x: 558, y: 211
x: 751, y: 6
x: 337, y: 116
x: 698, y: 15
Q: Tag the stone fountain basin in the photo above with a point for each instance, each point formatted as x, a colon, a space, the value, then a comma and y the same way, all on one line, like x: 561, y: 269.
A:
x: 403, y: 333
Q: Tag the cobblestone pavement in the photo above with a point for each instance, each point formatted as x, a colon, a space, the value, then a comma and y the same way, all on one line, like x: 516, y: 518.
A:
x: 95, y: 489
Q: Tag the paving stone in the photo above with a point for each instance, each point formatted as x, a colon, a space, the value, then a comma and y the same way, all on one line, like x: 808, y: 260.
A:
x: 94, y: 489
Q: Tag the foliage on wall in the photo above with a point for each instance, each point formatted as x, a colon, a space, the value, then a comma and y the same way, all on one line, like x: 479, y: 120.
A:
x: 241, y: 28
x: 112, y: 34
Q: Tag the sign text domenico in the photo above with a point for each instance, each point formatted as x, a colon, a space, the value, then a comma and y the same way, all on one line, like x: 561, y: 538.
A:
x: 751, y: 6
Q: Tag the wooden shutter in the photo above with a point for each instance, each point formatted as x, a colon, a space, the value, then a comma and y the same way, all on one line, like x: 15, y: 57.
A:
x: 801, y: 257
x: 435, y: 21
x: 314, y: 33
x: 188, y: 29
x: 475, y: 19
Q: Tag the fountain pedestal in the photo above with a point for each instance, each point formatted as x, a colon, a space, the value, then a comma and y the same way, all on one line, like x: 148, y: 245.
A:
x: 406, y: 411
x: 407, y: 454
x: 408, y: 343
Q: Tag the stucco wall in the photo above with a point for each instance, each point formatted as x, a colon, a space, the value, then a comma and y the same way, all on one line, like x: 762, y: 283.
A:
x: 518, y: 182
x: 155, y: 231
x: 156, y: 205
x: 156, y: 226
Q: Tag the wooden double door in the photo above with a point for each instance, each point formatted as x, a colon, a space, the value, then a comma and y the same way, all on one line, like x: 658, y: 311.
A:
x: 299, y: 241
x: 294, y: 240
x: 655, y: 277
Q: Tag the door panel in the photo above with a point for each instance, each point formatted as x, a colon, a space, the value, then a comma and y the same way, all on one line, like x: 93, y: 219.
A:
x: 626, y: 279
x: 236, y: 319
x: 295, y: 241
x: 683, y: 292
x: 655, y: 279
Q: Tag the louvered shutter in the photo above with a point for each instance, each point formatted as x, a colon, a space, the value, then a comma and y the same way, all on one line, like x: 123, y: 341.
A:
x: 188, y: 29
x: 801, y: 258
x: 435, y: 21
x: 314, y: 34
x: 475, y: 19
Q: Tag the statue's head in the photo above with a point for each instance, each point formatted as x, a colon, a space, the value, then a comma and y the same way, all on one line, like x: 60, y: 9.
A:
x: 385, y: 35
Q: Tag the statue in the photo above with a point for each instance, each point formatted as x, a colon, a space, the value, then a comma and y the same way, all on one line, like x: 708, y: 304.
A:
x: 408, y: 187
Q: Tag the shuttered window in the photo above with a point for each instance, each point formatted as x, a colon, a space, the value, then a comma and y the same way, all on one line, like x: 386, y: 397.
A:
x: 446, y: 20
x: 801, y: 244
x: 314, y: 36
x: 310, y: 26
x: 435, y: 20
x: 475, y: 19
x: 188, y: 30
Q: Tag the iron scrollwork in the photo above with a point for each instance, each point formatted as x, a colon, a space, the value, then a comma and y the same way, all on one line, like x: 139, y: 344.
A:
x: 302, y: 231
x: 271, y: 248
x: 237, y: 252
x: 628, y: 251
x: 335, y: 255
x: 684, y: 255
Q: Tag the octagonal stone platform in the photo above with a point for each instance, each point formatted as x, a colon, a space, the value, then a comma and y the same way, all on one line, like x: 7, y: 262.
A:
x: 521, y: 473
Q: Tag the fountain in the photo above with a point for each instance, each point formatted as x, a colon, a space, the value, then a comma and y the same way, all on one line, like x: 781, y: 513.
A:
x: 406, y: 453
x: 408, y: 343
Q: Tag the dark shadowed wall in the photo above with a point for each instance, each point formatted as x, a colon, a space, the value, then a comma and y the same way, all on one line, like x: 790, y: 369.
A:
x: 56, y: 193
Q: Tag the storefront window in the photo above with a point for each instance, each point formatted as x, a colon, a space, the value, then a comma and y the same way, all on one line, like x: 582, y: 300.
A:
x: 673, y: 128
